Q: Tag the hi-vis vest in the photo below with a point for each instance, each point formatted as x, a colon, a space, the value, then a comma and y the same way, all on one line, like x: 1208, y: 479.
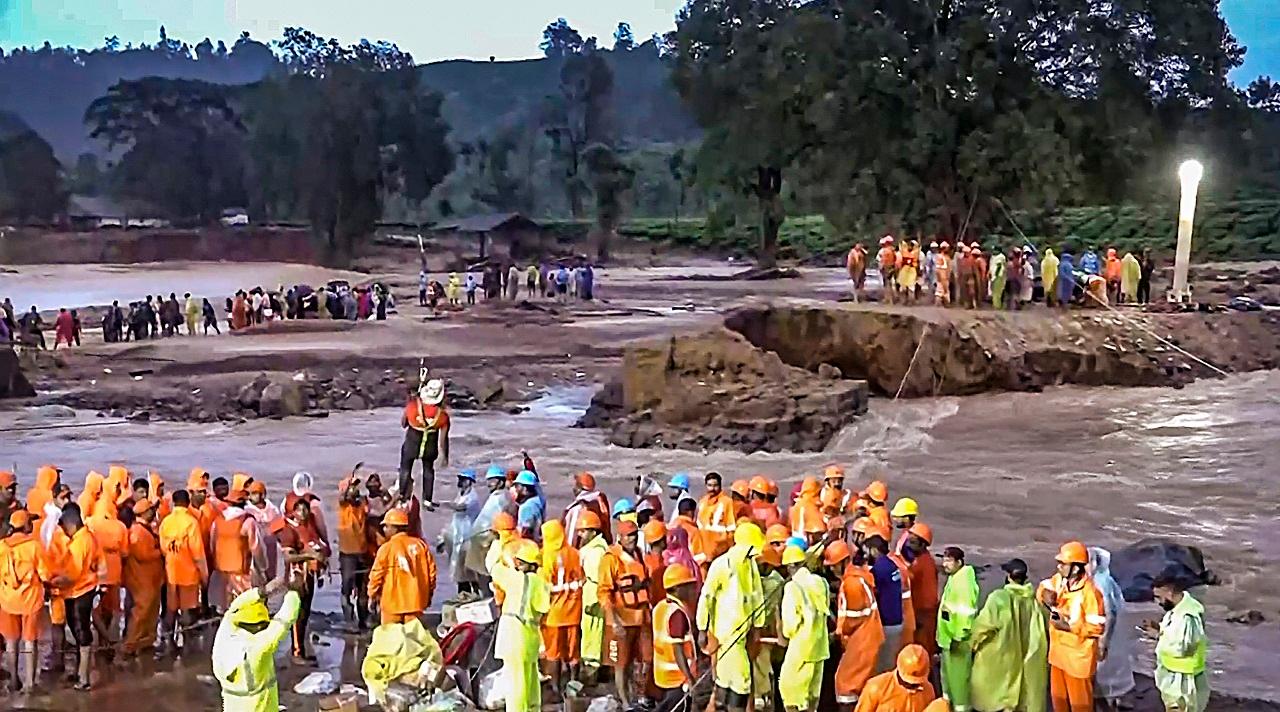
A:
x: 425, y: 418
x: 666, y: 671
x: 1193, y: 663
x: 238, y: 678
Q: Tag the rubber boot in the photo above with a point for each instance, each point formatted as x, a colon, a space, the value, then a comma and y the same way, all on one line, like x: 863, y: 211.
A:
x: 85, y: 667
x: 362, y: 615
x: 11, y: 666
x: 348, y: 613
x: 28, y: 662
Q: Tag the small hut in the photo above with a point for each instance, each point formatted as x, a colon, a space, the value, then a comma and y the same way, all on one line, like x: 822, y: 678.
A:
x: 502, y: 236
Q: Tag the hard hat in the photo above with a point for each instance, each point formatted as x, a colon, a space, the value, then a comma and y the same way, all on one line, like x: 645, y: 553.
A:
x: 623, y: 506
x: 7, y: 479
x: 760, y: 484
x: 923, y: 531
x: 654, y: 531
x: 396, y: 518
x: 886, y: 240
x: 863, y: 525
x: 504, y: 522
x: 680, y: 480
x: 835, y: 524
x: 792, y: 555
x: 741, y: 488
x: 495, y: 472
x: 589, y: 520
x: 626, y: 527
x: 832, y: 472
x: 528, y: 552
x: 432, y: 392
x: 810, y: 486
x: 527, y: 478
x: 798, y: 542
x: 770, y: 556
x: 878, y: 492
x: 835, y: 552
x: 585, y: 480
x: 198, y: 480
x: 1073, y: 552
x: 251, y: 614
x: 468, y: 475
x: 676, y: 575
x: 905, y: 507
x: 749, y: 535
x: 777, y: 533
x: 773, y: 487
x: 913, y: 664
x: 20, y: 518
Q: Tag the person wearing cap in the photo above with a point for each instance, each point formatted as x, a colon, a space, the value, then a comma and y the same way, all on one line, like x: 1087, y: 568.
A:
x: 530, y: 510
x: 1181, y: 675
x: 625, y: 511
x: 905, y: 688
x: 1077, y: 621
x: 244, y: 647
x: 586, y: 497
x: 730, y: 610
x: 307, y: 552
x: 113, y: 539
x: 403, y: 578
x: 649, y: 499
x: 483, y: 533
x: 8, y: 493
x: 857, y: 621
x: 834, y: 498
x: 767, y: 658
x: 143, y: 578
x: 807, y: 508
x: 562, y: 628
x: 982, y: 271
x: 453, y: 540
x: 592, y: 548
x: 740, y: 493
x: 674, y: 656
x: 518, y: 639
x: 1010, y: 647
x: 925, y: 597
x: 678, y: 491
x: 763, y: 511
x: 686, y: 519
x: 624, y: 597
x: 355, y: 552
x: 908, y: 273
x: 887, y: 260
x: 928, y: 281
x: 186, y: 568
x: 802, y: 621
x: 653, y: 539
x: 905, y: 512
x: 876, y: 494
x: 716, y: 517
x: 23, y: 574
x: 426, y: 438
x: 957, y: 609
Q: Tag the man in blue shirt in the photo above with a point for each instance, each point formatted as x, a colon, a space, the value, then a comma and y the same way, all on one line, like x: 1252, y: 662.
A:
x: 888, y: 599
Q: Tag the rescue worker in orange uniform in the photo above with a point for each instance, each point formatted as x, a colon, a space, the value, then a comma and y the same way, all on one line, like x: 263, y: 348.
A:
x: 41, y: 493
x: 903, y: 689
x: 654, y: 536
x: 624, y: 597
x: 717, y: 517
x: 834, y: 498
x: 876, y: 494
x: 674, y: 661
x: 740, y: 493
x: 186, y: 569
x: 923, y: 575
x: 887, y: 260
x: 403, y: 578
x: 561, y: 627
x: 356, y: 550
x: 85, y: 570
x: 807, y: 508
x: 23, y: 574
x: 1077, y: 620
x: 92, y: 491
x: 857, y: 621
x: 162, y: 502
x: 686, y: 510
x: 764, y: 511
x: 239, y: 556
x: 113, y: 539
x: 143, y: 577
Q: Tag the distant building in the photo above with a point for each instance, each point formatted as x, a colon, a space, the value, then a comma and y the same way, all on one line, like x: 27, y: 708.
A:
x: 86, y: 212
x: 500, y: 235
x: 232, y: 217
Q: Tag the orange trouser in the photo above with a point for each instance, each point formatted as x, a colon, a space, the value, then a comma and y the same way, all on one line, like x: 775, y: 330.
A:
x: 1070, y: 694
x: 857, y: 665
x: 140, y: 634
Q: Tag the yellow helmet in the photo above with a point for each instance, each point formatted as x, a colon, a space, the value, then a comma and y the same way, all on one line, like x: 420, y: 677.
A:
x: 528, y: 552
x: 905, y: 507
x: 792, y: 555
x: 749, y: 534
x: 250, y: 614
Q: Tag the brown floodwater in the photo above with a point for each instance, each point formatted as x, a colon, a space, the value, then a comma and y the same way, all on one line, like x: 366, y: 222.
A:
x: 998, y: 474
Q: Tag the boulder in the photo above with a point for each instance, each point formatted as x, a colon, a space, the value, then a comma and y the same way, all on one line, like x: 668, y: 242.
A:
x: 1137, y: 565
x: 13, y: 382
x: 281, y: 399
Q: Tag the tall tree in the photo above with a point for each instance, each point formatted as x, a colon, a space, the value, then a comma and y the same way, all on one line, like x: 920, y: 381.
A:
x: 560, y: 40
x: 611, y: 180
x: 31, y: 185
x: 623, y: 39
x: 577, y: 117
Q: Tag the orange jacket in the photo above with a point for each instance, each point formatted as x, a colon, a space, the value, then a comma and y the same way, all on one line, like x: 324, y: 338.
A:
x: 925, y: 599
x: 403, y: 577
x: 717, y: 518
x: 908, y: 602
x: 231, y: 544
x: 656, y: 566
x: 41, y: 493
x: 144, y: 567
x: 85, y: 565
x: 834, y: 502
x: 888, y: 258
x: 624, y: 586
x: 113, y: 538
x: 206, y: 514
x: 92, y: 491
x: 353, y: 533
x: 765, y: 514
x: 884, y: 693
x: 565, y: 577
x: 1075, y: 652
x: 696, y: 548
x: 23, y: 573
x: 183, y: 547
x: 859, y: 628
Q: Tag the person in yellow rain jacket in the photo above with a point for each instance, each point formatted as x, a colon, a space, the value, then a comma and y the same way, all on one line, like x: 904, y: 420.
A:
x: 528, y: 600
x: 591, y: 549
x: 730, y: 608
x: 956, y: 612
x: 803, y: 623
x: 1049, y: 277
x: 1077, y: 620
x: 244, y: 647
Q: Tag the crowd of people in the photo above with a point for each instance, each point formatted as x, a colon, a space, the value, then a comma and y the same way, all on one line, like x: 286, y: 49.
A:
x: 943, y: 274
x: 561, y: 281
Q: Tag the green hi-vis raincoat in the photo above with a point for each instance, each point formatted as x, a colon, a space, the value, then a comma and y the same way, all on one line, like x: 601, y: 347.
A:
x: 1010, y: 652
x: 244, y: 662
x: 956, y: 612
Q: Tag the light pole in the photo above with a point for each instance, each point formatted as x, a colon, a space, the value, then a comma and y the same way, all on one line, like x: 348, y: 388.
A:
x: 1189, y: 173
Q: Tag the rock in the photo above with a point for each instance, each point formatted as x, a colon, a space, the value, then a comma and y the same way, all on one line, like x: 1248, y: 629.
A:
x: 355, y: 402
x: 53, y: 412
x: 1249, y: 618
x: 490, y: 393
x: 251, y: 393
x: 316, y: 413
x: 281, y: 399
x: 1136, y: 566
x: 13, y: 382
x: 141, y: 416
x: 829, y: 372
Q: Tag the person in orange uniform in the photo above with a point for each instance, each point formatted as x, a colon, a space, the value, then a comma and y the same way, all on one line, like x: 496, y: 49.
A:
x: 857, y: 622
x: 834, y: 498
x: 887, y: 260
x: 354, y: 552
x: 185, y: 566
x: 306, y: 551
x: 655, y: 547
x: 686, y: 519
x: 903, y: 689
x: 624, y: 597
x: 740, y: 493
x: 876, y: 495
x: 116, y: 487
x: 403, y: 578
x: 807, y: 508
x: 717, y: 517
x: 764, y: 512
x: 113, y: 538
x: 586, y: 497
x: 23, y: 573
x: 923, y: 575
x: 92, y: 491
x: 41, y: 493
x: 162, y: 503
x: 85, y: 571
x: 561, y: 628
x: 1077, y: 620
x: 674, y: 661
x: 143, y: 577
x: 238, y: 554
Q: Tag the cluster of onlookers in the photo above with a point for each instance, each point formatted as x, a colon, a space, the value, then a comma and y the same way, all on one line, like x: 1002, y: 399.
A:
x: 561, y: 281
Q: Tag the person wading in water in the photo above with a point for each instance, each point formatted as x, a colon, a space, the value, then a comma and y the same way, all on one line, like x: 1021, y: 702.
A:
x: 426, y: 437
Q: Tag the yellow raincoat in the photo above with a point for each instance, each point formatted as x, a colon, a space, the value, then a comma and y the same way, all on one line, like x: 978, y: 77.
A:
x: 397, y: 650
x: 244, y: 662
x: 731, y: 605
x: 592, y: 616
x: 1130, y: 275
x: 519, y: 635
x: 806, y: 605
x: 1049, y: 275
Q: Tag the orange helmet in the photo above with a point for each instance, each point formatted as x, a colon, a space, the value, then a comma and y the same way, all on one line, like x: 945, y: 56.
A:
x: 832, y: 472
x: 815, y: 525
x: 504, y: 522
x: 741, y: 488
x: 777, y: 534
x: 769, y: 555
x: 654, y: 531
x: 400, y: 518
x: 923, y: 531
x: 835, y: 524
x: 585, y: 480
x: 675, y: 575
x: 589, y: 520
x: 863, y: 526
x: 835, y: 552
x: 1073, y: 552
x: 913, y: 664
x: 877, y: 491
x: 773, y: 487
x: 760, y: 484
x: 810, y: 487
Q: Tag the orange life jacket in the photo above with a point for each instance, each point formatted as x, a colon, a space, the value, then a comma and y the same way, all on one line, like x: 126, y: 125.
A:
x: 231, y: 552
x: 666, y: 671
x: 425, y: 417
x: 888, y: 258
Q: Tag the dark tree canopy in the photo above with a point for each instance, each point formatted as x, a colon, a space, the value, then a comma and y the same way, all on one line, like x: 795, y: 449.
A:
x: 611, y: 180
x: 560, y: 40
x: 31, y: 185
x: 623, y: 39
x: 578, y: 116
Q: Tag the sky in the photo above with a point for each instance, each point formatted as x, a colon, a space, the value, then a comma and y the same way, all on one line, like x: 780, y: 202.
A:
x: 437, y: 29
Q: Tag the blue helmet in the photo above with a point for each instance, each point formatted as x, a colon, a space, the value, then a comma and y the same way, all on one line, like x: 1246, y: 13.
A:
x: 799, y: 542
x: 680, y: 480
x: 527, y: 478
x: 468, y: 474
x: 495, y: 472
x: 623, y: 506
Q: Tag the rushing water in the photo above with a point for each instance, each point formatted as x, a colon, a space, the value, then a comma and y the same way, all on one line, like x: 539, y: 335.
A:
x: 998, y: 474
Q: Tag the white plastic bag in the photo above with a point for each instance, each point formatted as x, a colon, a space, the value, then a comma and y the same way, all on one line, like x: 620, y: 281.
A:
x: 317, y: 683
x: 493, y: 690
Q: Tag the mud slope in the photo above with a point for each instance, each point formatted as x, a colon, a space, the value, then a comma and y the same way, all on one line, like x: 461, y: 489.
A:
x: 962, y: 353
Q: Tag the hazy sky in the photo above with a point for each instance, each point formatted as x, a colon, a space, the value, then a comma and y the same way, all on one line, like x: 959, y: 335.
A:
x: 435, y: 29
